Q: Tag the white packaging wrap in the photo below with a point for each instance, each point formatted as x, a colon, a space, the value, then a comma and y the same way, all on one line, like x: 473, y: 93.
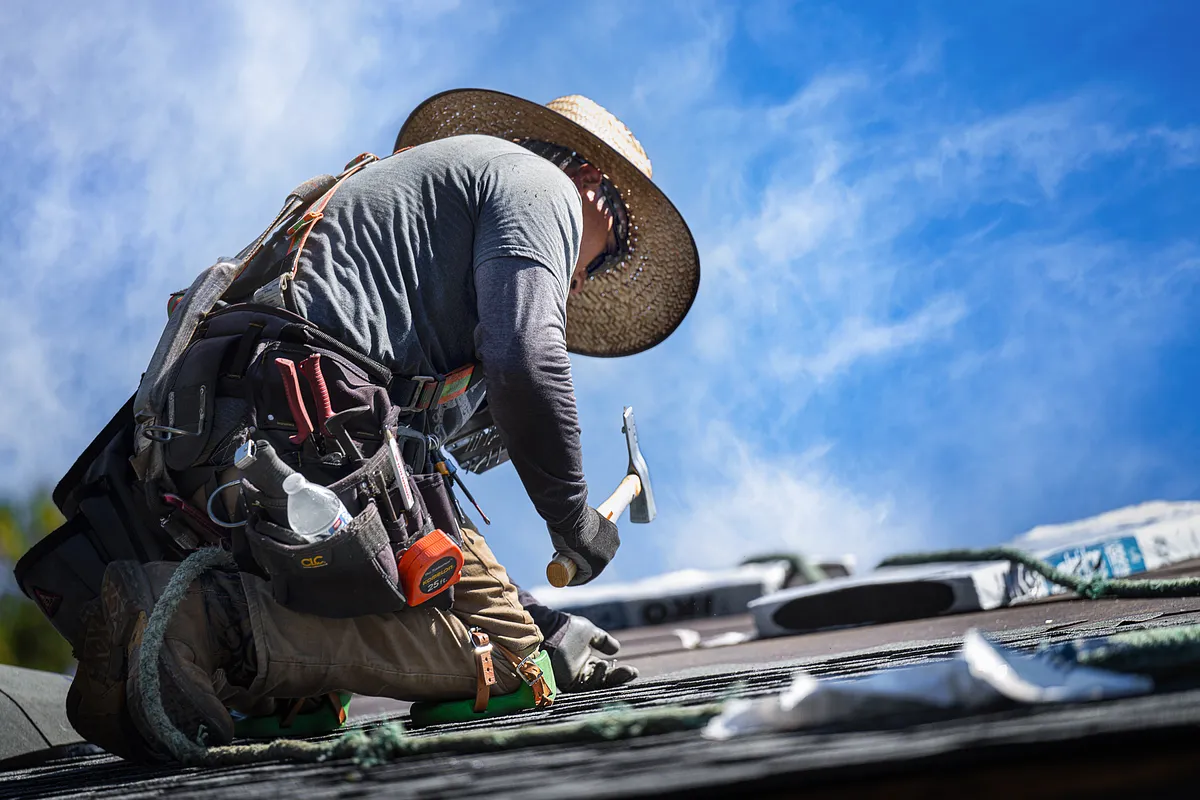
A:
x: 981, y: 676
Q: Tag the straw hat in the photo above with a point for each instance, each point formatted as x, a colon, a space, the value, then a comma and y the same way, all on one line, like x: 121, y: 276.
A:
x: 637, y: 304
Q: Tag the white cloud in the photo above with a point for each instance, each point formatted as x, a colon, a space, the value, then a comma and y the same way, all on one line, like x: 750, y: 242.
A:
x: 1047, y: 141
x: 795, y: 222
x: 750, y: 504
x: 859, y: 338
x: 147, y: 145
x: 1182, y: 145
x: 816, y: 96
x: 671, y: 78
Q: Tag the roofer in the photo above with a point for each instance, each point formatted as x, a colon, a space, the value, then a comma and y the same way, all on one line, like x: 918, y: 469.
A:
x: 500, y: 235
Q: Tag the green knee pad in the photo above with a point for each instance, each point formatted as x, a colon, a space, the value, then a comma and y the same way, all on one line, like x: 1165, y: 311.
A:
x: 327, y: 717
x: 423, y: 713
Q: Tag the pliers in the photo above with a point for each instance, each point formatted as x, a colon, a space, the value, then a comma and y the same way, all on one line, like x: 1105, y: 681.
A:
x: 311, y: 369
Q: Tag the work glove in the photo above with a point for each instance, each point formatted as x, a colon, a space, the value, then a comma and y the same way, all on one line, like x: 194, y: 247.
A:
x: 577, y: 661
x: 591, y: 545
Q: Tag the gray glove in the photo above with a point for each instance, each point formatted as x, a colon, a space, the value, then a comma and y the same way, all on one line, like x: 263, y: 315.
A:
x: 591, y: 546
x: 577, y: 665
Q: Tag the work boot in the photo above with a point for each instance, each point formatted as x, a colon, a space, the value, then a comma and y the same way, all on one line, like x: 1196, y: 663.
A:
x: 209, y: 634
x: 96, y: 705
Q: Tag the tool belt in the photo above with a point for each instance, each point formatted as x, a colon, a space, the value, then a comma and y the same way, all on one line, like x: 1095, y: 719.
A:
x: 235, y: 365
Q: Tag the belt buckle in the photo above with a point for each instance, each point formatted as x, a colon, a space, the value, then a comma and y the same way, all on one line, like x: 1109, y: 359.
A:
x: 414, y: 402
x: 480, y: 641
x: 533, y: 668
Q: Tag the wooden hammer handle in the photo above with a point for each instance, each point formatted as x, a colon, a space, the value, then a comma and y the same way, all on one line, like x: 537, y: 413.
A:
x: 561, y: 569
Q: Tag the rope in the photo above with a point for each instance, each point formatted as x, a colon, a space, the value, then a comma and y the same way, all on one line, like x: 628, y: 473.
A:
x: 195, y: 565
x: 391, y: 741
x: 386, y: 742
x: 1160, y: 652
x: 1091, y: 588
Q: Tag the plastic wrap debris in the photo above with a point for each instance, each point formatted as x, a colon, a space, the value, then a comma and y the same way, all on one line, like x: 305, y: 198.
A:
x: 983, y: 675
x: 692, y: 640
x: 1116, y: 544
x: 728, y: 639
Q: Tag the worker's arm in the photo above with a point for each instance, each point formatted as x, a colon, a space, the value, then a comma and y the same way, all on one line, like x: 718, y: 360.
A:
x: 526, y: 245
x: 521, y: 342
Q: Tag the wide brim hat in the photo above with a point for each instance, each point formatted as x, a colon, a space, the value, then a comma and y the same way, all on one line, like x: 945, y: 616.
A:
x: 636, y: 304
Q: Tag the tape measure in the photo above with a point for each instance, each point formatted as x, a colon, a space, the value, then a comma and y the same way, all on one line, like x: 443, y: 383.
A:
x: 429, y: 566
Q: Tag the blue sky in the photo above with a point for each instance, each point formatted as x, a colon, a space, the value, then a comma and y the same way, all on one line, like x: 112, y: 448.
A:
x: 949, y: 249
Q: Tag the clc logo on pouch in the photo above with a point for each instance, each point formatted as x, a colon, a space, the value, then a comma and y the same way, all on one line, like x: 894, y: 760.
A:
x: 314, y: 562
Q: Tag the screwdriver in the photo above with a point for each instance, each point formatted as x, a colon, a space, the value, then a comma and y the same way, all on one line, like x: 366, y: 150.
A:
x: 451, y: 473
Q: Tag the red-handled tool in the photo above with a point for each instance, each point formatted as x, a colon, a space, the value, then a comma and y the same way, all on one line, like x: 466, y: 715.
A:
x: 291, y: 387
x: 311, y: 369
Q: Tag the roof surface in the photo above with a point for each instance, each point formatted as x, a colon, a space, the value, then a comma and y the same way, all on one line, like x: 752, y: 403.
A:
x: 1117, y: 747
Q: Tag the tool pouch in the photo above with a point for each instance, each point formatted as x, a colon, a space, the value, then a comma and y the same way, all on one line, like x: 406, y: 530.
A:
x: 353, y: 572
x: 106, y: 521
x: 62, y: 574
x: 436, y: 498
x: 349, y: 574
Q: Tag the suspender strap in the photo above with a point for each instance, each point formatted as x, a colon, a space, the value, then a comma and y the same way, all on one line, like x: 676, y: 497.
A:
x: 411, y: 394
x: 302, y: 227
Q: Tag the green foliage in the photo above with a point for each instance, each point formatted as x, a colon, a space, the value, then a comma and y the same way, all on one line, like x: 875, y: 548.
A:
x: 26, y: 637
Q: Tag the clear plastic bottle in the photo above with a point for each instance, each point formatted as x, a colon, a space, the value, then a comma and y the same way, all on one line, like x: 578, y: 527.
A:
x: 313, y: 511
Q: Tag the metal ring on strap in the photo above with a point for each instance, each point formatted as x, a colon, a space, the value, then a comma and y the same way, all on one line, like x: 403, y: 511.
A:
x: 213, y: 516
x: 156, y: 433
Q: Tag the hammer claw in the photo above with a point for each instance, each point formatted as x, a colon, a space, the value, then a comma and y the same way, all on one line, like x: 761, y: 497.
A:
x: 641, y: 507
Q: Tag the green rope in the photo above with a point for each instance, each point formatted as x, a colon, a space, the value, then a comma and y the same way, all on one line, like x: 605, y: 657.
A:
x: 391, y: 741
x: 195, y: 565
x: 1159, y: 652
x: 1091, y: 588
x: 386, y: 742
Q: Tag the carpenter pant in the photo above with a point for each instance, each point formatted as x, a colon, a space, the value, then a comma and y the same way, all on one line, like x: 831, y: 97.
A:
x: 414, y: 654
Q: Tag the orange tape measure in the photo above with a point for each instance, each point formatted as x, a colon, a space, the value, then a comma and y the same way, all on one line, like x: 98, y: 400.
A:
x: 429, y: 566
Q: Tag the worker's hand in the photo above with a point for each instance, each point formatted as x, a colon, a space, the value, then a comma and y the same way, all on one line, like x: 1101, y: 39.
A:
x: 591, y: 546
x: 578, y: 662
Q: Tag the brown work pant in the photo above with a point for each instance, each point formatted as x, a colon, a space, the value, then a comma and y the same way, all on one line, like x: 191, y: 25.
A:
x: 414, y: 654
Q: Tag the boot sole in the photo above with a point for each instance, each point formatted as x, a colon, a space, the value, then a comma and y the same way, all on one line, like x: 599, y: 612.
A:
x: 131, y: 598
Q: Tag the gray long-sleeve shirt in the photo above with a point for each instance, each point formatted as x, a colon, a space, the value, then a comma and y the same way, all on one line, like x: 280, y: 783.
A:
x: 461, y: 251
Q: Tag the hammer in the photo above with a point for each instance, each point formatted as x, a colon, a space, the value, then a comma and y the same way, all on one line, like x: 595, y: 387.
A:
x: 633, y: 491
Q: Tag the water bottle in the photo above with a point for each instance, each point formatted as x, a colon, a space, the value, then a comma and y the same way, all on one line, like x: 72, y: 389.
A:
x: 313, y: 511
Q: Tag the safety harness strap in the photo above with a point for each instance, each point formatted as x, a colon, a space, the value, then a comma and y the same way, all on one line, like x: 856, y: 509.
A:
x: 302, y: 227
x: 420, y: 392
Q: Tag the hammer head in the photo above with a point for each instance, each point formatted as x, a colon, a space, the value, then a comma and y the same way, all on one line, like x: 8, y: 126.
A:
x: 641, y: 508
